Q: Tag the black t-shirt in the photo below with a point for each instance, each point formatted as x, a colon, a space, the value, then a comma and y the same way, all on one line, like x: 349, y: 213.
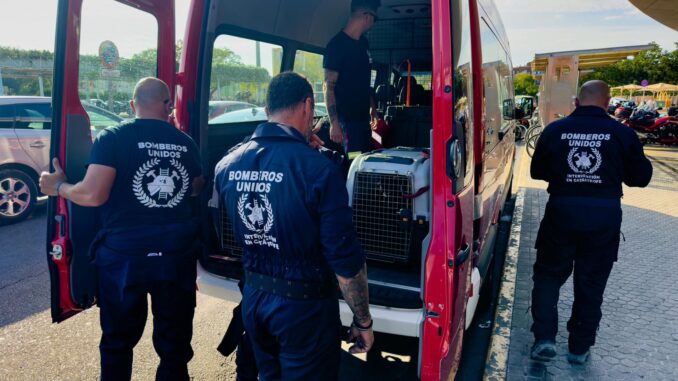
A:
x: 155, y: 166
x: 351, y: 59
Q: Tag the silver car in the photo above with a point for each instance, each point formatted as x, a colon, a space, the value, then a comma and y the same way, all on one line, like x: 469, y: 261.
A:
x: 25, y: 124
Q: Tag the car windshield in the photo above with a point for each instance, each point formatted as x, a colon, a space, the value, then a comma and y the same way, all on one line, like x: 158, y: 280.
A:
x: 255, y: 114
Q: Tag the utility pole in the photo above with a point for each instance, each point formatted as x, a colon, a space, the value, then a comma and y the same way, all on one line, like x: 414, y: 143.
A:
x: 258, y: 47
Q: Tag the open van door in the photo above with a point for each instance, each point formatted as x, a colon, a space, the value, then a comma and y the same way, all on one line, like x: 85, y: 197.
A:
x: 450, y: 256
x: 102, y: 48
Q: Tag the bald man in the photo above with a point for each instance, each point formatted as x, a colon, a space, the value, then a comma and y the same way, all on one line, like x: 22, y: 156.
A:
x: 141, y: 175
x: 585, y: 158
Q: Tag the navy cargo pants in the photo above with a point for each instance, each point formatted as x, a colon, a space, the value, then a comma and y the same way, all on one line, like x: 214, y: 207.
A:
x: 293, y: 340
x: 123, y: 320
x: 588, y: 248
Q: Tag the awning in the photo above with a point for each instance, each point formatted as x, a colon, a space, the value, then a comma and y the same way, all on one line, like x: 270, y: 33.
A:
x: 591, y: 58
x: 664, y: 11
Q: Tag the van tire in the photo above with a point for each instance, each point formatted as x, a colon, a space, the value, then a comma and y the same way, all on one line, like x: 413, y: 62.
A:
x: 18, y: 195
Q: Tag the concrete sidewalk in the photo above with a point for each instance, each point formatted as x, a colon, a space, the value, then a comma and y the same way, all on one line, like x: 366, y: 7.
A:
x: 638, y: 335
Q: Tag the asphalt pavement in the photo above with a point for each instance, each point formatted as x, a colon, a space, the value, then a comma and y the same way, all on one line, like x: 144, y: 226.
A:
x: 33, y: 348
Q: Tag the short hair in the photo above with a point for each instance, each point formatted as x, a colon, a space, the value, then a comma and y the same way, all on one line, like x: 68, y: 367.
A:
x: 365, y: 5
x: 286, y: 90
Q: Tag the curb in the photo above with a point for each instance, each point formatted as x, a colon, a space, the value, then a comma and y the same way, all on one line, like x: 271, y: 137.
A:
x: 497, y: 355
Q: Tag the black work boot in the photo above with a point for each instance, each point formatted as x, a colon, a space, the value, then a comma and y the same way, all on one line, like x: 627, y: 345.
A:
x: 578, y: 359
x: 543, y: 350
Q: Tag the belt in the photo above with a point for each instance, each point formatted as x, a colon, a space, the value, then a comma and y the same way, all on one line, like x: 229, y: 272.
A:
x: 294, y: 289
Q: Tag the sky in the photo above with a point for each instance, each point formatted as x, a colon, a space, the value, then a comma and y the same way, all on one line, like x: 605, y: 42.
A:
x: 533, y: 26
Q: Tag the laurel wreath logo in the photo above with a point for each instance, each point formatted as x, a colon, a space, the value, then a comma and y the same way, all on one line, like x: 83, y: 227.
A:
x: 599, y: 161
x: 269, y: 211
x: 147, y: 201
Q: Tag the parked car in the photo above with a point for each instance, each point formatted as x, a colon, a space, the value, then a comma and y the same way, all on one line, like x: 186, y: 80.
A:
x: 25, y: 124
x: 243, y: 115
x: 217, y: 108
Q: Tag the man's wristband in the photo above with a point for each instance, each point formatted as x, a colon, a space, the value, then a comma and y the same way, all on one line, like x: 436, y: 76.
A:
x: 360, y: 327
x: 58, y: 187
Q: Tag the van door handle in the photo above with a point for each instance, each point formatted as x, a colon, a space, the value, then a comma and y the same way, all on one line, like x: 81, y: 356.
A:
x: 37, y: 145
x: 463, y: 254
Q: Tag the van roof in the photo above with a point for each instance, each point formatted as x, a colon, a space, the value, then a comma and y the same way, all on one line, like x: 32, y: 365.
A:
x: 309, y: 22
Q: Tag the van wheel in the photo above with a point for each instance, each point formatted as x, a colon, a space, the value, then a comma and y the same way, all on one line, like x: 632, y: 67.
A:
x: 18, y: 195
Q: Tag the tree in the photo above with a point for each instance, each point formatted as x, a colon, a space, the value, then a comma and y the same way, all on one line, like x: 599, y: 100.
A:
x: 525, y: 85
x: 225, y: 56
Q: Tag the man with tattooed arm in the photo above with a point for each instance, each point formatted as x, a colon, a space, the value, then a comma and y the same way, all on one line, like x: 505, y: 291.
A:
x: 289, y: 209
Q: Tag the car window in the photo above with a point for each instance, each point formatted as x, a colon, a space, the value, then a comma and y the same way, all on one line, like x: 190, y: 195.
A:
x: 35, y: 116
x: 241, y: 70
x: 246, y: 115
x: 99, y: 120
x: 310, y: 65
x: 6, y: 116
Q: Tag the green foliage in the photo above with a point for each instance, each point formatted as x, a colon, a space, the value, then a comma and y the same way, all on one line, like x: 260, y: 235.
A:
x: 16, y: 54
x: 310, y: 65
x: 227, y: 68
x: 525, y: 85
x: 654, y: 65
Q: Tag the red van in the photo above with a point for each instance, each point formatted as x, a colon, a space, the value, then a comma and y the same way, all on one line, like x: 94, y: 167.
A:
x: 426, y: 206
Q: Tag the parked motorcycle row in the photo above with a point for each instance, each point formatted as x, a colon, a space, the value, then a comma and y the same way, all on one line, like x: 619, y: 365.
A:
x: 650, y: 126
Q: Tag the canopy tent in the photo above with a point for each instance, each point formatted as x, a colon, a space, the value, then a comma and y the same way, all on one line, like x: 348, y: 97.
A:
x: 630, y: 88
x: 661, y: 88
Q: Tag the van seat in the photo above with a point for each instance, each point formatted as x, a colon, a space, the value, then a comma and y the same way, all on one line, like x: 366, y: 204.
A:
x: 409, y: 126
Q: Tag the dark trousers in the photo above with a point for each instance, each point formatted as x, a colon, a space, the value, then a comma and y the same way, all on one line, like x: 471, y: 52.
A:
x: 357, y: 137
x: 560, y: 251
x: 293, y: 340
x: 123, y: 320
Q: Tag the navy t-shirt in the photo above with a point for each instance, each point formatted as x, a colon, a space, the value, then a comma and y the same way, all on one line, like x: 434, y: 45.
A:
x: 155, y: 166
x: 351, y: 59
x: 289, y: 208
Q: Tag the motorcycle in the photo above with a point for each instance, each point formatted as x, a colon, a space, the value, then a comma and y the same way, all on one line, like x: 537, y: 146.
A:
x: 625, y: 110
x: 653, y: 129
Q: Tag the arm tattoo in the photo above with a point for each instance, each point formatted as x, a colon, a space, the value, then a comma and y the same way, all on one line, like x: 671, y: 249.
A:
x: 332, y: 111
x: 356, y: 295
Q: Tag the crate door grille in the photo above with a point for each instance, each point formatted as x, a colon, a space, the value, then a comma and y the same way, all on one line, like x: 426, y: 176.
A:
x: 377, y: 203
x: 228, y: 243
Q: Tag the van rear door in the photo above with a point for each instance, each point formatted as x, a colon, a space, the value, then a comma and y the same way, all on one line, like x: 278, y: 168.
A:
x: 102, y: 48
x: 450, y: 254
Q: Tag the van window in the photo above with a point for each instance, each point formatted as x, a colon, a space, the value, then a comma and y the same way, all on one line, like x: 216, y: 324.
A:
x: 462, y: 92
x: 496, y: 83
x: 112, y: 63
x: 33, y: 116
x: 310, y: 65
x: 241, y: 70
x: 6, y: 116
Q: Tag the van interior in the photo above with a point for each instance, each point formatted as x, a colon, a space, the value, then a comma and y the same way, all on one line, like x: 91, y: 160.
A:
x: 401, y: 49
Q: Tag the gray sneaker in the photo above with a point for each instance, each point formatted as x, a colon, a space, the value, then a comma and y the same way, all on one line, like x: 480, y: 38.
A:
x: 578, y: 359
x: 543, y: 350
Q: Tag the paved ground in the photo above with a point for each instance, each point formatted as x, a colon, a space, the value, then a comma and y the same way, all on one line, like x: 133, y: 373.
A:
x: 32, y: 348
x: 638, y: 336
